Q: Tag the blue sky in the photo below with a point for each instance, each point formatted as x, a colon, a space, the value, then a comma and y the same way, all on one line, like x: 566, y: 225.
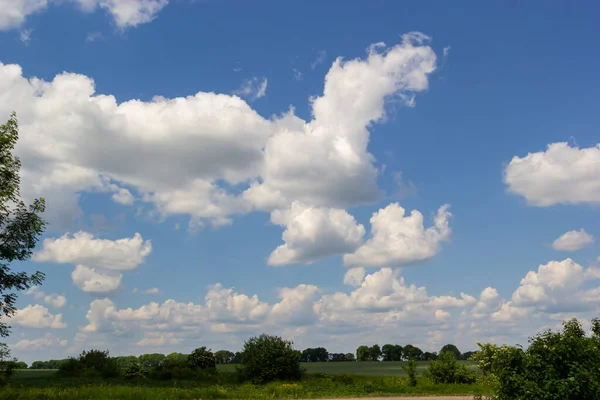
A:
x: 489, y: 108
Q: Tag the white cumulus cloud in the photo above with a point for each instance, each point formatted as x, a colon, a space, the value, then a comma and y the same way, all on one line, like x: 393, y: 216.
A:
x: 399, y: 239
x: 91, y: 280
x: 573, y: 240
x: 560, y: 175
x: 36, y: 316
x: 313, y: 233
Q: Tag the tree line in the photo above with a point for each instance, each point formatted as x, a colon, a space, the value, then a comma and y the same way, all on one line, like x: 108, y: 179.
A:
x: 387, y: 352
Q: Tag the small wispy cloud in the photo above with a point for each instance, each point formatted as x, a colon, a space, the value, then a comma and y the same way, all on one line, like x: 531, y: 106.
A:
x: 237, y: 69
x: 93, y: 36
x: 297, y: 74
x: 321, y: 55
x: 405, y: 187
x: 253, y: 88
x: 25, y: 35
x: 446, y: 51
x: 152, y: 291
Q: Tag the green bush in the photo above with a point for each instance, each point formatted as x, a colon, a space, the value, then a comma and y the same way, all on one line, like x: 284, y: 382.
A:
x: 93, y: 363
x: 447, y: 370
x: 202, y: 359
x: 7, y: 364
x: 268, y: 358
x: 557, y: 365
x: 134, y: 371
x: 411, y: 370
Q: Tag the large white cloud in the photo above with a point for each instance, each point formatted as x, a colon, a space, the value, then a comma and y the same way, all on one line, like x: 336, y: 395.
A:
x: 83, y: 248
x: 14, y: 12
x: 99, y: 261
x: 560, y: 175
x: 313, y: 233
x: 74, y: 140
x: 91, y: 280
x: 36, y: 316
x: 399, y: 240
x: 573, y: 240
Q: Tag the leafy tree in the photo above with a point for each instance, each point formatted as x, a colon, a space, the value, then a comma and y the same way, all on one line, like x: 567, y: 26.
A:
x: 21, y: 365
x: 338, y: 357
x: 409, y: 351
x: 123, y: 361
x: 375, y: 352
x: 176, y: 359
x: 202, y: 359
x: 318, y: 354
x: 557, y: 365
x: 20, y: 226
x: 134, y: 370
x: 152, y: 360
x: 427, y: 356
x: 349, y: 357
x: 91, y: 363
x: 224, y: 357
x: 363, y: 353
x: 466, y: 355
x: 452, y: 349
x: 391, y: 352
x: 447, y: 370
x: 267, y: 358
x: 237, y: 358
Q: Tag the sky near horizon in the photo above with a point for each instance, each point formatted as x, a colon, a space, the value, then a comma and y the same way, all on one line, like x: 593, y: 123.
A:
x: 335, y: 173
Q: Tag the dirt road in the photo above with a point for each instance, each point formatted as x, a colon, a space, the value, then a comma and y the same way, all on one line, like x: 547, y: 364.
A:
x: 410, y: 398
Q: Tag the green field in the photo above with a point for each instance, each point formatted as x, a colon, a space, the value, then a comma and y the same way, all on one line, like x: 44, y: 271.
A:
x: 367, y: 368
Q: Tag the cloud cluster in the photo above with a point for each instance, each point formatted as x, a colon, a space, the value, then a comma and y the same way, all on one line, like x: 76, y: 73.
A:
x: 36, y: 316
x: 48, y: 341
x: 99, y: 262
x: 124, y: 13
x: 382, y: 307
x: 53, y: 300
x: 304, y: 172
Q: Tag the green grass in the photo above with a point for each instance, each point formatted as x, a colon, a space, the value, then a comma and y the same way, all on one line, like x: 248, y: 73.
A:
x: 325, y: 380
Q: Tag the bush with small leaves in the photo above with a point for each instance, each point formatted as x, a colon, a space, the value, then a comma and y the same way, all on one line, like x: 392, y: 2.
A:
x: 268, y: 358
x: 447, y: 370
x: 7, y: 364
x: 202, y: 359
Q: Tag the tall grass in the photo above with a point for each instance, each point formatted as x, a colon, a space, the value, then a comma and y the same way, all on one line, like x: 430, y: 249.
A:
x: 313, y: 386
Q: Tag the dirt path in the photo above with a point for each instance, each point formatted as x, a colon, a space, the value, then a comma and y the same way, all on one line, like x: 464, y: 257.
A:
x: 410, y: 398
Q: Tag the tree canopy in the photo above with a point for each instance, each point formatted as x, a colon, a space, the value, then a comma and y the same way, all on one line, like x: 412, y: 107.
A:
x: 20, y: 225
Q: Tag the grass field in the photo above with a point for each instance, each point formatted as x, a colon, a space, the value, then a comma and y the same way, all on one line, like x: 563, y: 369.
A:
x: 373, y: 368
x: 324, y: 380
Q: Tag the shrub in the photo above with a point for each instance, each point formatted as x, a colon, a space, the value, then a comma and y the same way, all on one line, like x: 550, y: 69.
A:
x: 202, y: 359
x: 134, y: 371
x: 411, y: 370
x: 267, y: 358
x: 557, y: 365
x: 447, y: 370
x: 7, y: 364
x: 93, y: 363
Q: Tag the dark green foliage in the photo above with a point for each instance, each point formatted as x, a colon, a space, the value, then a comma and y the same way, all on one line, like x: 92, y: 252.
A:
x: 411, y: 370
x: 153, y: 360
x: 20, y: 226
x: 375, y: 352
x: 391, y: 352
x: 134, y: 371
x: 267, y: 358
x: 447, y: 370
x: 50, y: 364
x: 7, y: 364
x: 224, y: 357
x: 21, y: 365
x: 202, y: 359
x: 363, y: 353
x: 350, y: 357
x: 452, y: 349
x: 556, y: 366
x: 427, y: 356
x: 409, y: 351
x: 93, y: 363
x: 319, y: 354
